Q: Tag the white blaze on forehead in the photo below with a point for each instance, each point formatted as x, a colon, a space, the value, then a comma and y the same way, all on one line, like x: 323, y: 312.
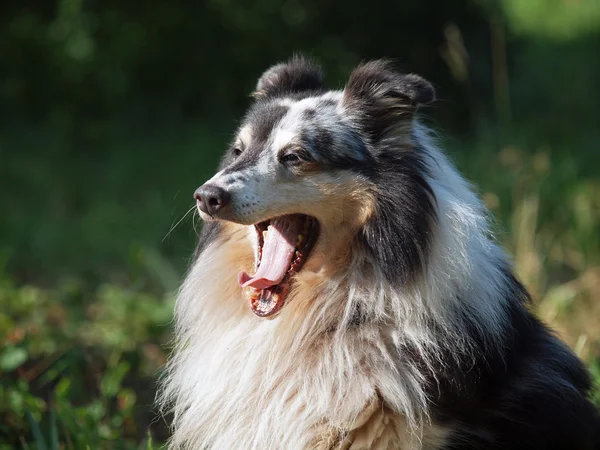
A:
x: 283, y: 137
x: 288, y: 130
x: 296, y: 109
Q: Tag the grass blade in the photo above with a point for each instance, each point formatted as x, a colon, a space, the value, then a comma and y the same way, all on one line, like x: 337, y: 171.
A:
x: 36, y: 431
x: 53, y: 429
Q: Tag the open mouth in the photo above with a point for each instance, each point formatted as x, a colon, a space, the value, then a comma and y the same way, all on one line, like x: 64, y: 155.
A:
x: 284, y: 245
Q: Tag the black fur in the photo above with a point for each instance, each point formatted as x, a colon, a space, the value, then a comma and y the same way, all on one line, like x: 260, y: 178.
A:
x: 399, y: 233
x: 528, y: 393
x: 384, y: 99
x: 295, y: 76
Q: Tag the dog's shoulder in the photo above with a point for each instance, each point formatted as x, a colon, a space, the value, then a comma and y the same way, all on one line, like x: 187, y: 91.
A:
x: 531, y: 393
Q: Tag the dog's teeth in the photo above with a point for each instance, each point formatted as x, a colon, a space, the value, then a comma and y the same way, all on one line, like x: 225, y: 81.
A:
x: 264, y: 234
x: 252, y: 295
x: 300, y: 239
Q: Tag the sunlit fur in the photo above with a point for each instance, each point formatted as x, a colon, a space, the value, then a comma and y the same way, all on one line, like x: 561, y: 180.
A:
x: 315, y: 376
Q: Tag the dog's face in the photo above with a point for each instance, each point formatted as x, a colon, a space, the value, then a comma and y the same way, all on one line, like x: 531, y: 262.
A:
x: 301, y: 168
x: 290, y: 156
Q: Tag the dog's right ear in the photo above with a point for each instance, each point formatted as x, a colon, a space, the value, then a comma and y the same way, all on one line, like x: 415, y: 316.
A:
x: 297, y: 75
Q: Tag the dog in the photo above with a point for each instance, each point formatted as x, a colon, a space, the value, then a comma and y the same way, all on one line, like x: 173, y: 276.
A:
x: 347, y: 292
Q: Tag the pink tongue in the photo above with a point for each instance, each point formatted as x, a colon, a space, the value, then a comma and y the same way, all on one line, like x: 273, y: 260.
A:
x: 277, y: 253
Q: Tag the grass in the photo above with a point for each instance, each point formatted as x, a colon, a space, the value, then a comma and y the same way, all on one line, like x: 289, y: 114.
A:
x: 89, y: 262
x: 84, y: 363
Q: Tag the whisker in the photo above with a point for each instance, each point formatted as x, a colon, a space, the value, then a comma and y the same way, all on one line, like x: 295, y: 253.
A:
x: 195, y: 224
x: 178, y: 222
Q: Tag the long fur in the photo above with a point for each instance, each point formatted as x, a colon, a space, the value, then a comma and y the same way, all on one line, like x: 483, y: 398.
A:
x: 408, y: 329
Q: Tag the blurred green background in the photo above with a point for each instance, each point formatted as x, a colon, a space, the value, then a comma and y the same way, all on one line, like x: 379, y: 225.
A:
x: 112, y: 113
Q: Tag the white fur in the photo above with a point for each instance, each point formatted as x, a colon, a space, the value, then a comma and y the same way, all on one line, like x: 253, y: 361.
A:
x: 303, y: 380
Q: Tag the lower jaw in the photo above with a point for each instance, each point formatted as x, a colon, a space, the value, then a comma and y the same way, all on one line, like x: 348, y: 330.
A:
x: 267, y: 302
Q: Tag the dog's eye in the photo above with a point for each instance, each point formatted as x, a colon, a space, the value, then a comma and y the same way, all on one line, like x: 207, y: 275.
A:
x: 237, y: 151
x: 294, y: 157
x: 290, y: 158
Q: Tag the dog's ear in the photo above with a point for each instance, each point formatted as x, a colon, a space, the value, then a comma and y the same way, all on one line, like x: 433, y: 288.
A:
x: 299, y: 74
x: 383, y: 98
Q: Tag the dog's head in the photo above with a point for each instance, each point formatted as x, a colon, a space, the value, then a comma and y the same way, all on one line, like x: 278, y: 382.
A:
x: 303, y: 168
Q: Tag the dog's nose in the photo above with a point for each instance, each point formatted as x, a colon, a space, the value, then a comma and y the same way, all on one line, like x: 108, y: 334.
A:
x: 211, y: 198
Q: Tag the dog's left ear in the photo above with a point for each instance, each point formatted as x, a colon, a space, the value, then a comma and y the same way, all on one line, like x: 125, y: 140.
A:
x: 383, y: 98
x: 297, y: 75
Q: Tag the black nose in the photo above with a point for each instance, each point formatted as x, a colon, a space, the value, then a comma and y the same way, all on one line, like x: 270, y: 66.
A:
x: 211, y: 198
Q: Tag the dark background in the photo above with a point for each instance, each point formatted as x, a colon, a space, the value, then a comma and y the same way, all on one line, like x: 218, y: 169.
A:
x: 112, y: 113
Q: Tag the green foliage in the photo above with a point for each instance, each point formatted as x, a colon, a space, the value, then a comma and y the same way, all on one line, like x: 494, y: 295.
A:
x: 116, y: 201
x: 595, y: 371
x: 569, y: 19
x: 79, y: 366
